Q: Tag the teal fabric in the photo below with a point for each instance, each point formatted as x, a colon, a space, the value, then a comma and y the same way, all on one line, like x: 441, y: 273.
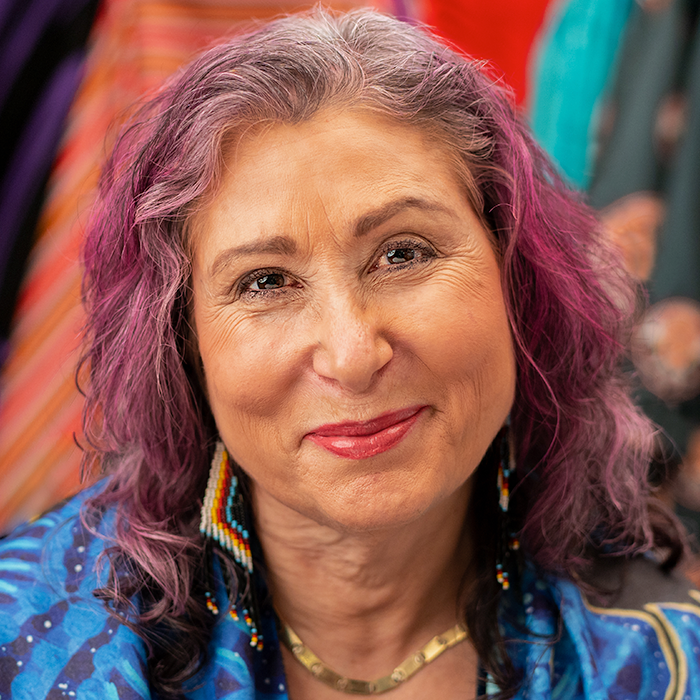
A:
x: 57, y: 641
x: 571, y: 70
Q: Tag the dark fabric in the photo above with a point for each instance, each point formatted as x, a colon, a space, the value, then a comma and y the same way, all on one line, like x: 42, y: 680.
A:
x: 42, y: 51
x: 650, y: 149
x: 661, y: 57
x: 648, y: 70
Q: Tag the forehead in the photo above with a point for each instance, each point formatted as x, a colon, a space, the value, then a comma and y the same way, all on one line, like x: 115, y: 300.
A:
x: 330, y: 168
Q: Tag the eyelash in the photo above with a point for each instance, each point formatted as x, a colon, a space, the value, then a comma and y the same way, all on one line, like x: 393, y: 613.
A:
x: 245, y: 283
x: 424, y: 254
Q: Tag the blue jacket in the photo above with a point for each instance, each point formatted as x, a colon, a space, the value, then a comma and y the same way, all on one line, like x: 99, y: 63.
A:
x: 57, y: 641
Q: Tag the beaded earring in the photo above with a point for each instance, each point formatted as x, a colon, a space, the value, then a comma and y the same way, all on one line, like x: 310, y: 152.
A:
x: 507, y: 540
x: 224, y: 526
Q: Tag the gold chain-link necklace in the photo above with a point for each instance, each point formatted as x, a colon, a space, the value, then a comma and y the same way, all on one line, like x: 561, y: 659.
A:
x: 414, y: 663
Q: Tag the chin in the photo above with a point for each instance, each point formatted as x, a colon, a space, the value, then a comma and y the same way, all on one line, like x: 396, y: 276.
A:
x: 372, y: 502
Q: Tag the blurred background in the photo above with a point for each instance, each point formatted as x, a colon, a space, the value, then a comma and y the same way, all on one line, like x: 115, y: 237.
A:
x: 611, y: 89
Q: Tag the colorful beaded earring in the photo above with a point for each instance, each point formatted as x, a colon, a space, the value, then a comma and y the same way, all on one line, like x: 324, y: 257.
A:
x: 507, y: 540
x: 224, y: 526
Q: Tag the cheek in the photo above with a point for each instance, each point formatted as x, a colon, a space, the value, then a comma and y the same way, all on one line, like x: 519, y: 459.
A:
x: 462, y: 337
x: 458, y: 329
x: 248, y: 363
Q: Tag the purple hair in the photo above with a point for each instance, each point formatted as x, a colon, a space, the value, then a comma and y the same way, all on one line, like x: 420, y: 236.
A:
x: 583, y: 449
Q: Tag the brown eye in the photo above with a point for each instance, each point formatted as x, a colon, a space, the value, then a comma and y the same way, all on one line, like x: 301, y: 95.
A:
x: 403, y: 254
x: 271, y: 281
x: 400, y: 255
x: 261, y: 282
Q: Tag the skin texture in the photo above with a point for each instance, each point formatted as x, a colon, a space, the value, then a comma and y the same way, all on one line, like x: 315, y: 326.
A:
x: 305, y: 317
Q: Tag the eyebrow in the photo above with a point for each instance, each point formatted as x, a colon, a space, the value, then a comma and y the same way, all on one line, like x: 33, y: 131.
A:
x: 278, y: 245
x: 283, y: 245
x: 376, y: 218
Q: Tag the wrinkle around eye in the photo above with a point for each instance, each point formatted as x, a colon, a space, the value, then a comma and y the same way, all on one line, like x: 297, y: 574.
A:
x: 226, y: 291
x: 248, y: 282
x: 424, y: 253
x: 244, y: 292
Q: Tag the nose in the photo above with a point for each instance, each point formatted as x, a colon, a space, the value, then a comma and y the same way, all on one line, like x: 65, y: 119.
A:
x: 351, y: 349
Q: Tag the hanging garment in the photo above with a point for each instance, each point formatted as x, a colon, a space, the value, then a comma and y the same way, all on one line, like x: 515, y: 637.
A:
x: 42, y: 52
x: 635, y: 144
x: 571, y: 69
x: 135, y: 45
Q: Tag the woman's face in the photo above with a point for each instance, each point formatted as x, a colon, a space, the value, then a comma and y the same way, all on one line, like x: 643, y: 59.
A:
x: 349, y: 315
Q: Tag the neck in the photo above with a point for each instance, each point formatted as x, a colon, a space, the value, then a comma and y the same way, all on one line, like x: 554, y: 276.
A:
x: 365, y: 599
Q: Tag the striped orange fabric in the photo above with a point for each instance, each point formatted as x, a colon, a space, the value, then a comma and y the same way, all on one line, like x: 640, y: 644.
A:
x: 134, y: 46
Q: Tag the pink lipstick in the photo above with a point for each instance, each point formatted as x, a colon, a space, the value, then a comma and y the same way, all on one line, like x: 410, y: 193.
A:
x: 360, y: 440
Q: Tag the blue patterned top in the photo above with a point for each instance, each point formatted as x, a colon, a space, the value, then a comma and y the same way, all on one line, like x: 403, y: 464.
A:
x: 57, y: 641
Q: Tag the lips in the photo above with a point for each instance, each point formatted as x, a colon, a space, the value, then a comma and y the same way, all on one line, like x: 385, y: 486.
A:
x: 360, y: 440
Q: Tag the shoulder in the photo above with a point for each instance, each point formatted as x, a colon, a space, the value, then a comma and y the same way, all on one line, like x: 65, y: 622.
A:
x: 56, y: 639
x: 643, y: 639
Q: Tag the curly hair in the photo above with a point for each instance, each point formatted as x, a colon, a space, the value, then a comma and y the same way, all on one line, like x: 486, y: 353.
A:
x: 582, y: 447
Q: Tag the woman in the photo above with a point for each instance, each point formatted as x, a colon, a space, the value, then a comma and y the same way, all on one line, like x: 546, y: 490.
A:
x: 338, y: 300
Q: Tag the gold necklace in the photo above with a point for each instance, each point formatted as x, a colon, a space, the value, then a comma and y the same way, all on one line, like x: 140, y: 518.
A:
x: 399, y: 675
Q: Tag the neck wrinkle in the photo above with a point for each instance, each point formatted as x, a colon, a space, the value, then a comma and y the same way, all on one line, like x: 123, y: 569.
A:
x: 364, y: 601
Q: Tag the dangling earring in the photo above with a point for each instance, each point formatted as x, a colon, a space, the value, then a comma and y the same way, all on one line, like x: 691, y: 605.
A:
x: 507, y: 541
x: 224, y: 526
